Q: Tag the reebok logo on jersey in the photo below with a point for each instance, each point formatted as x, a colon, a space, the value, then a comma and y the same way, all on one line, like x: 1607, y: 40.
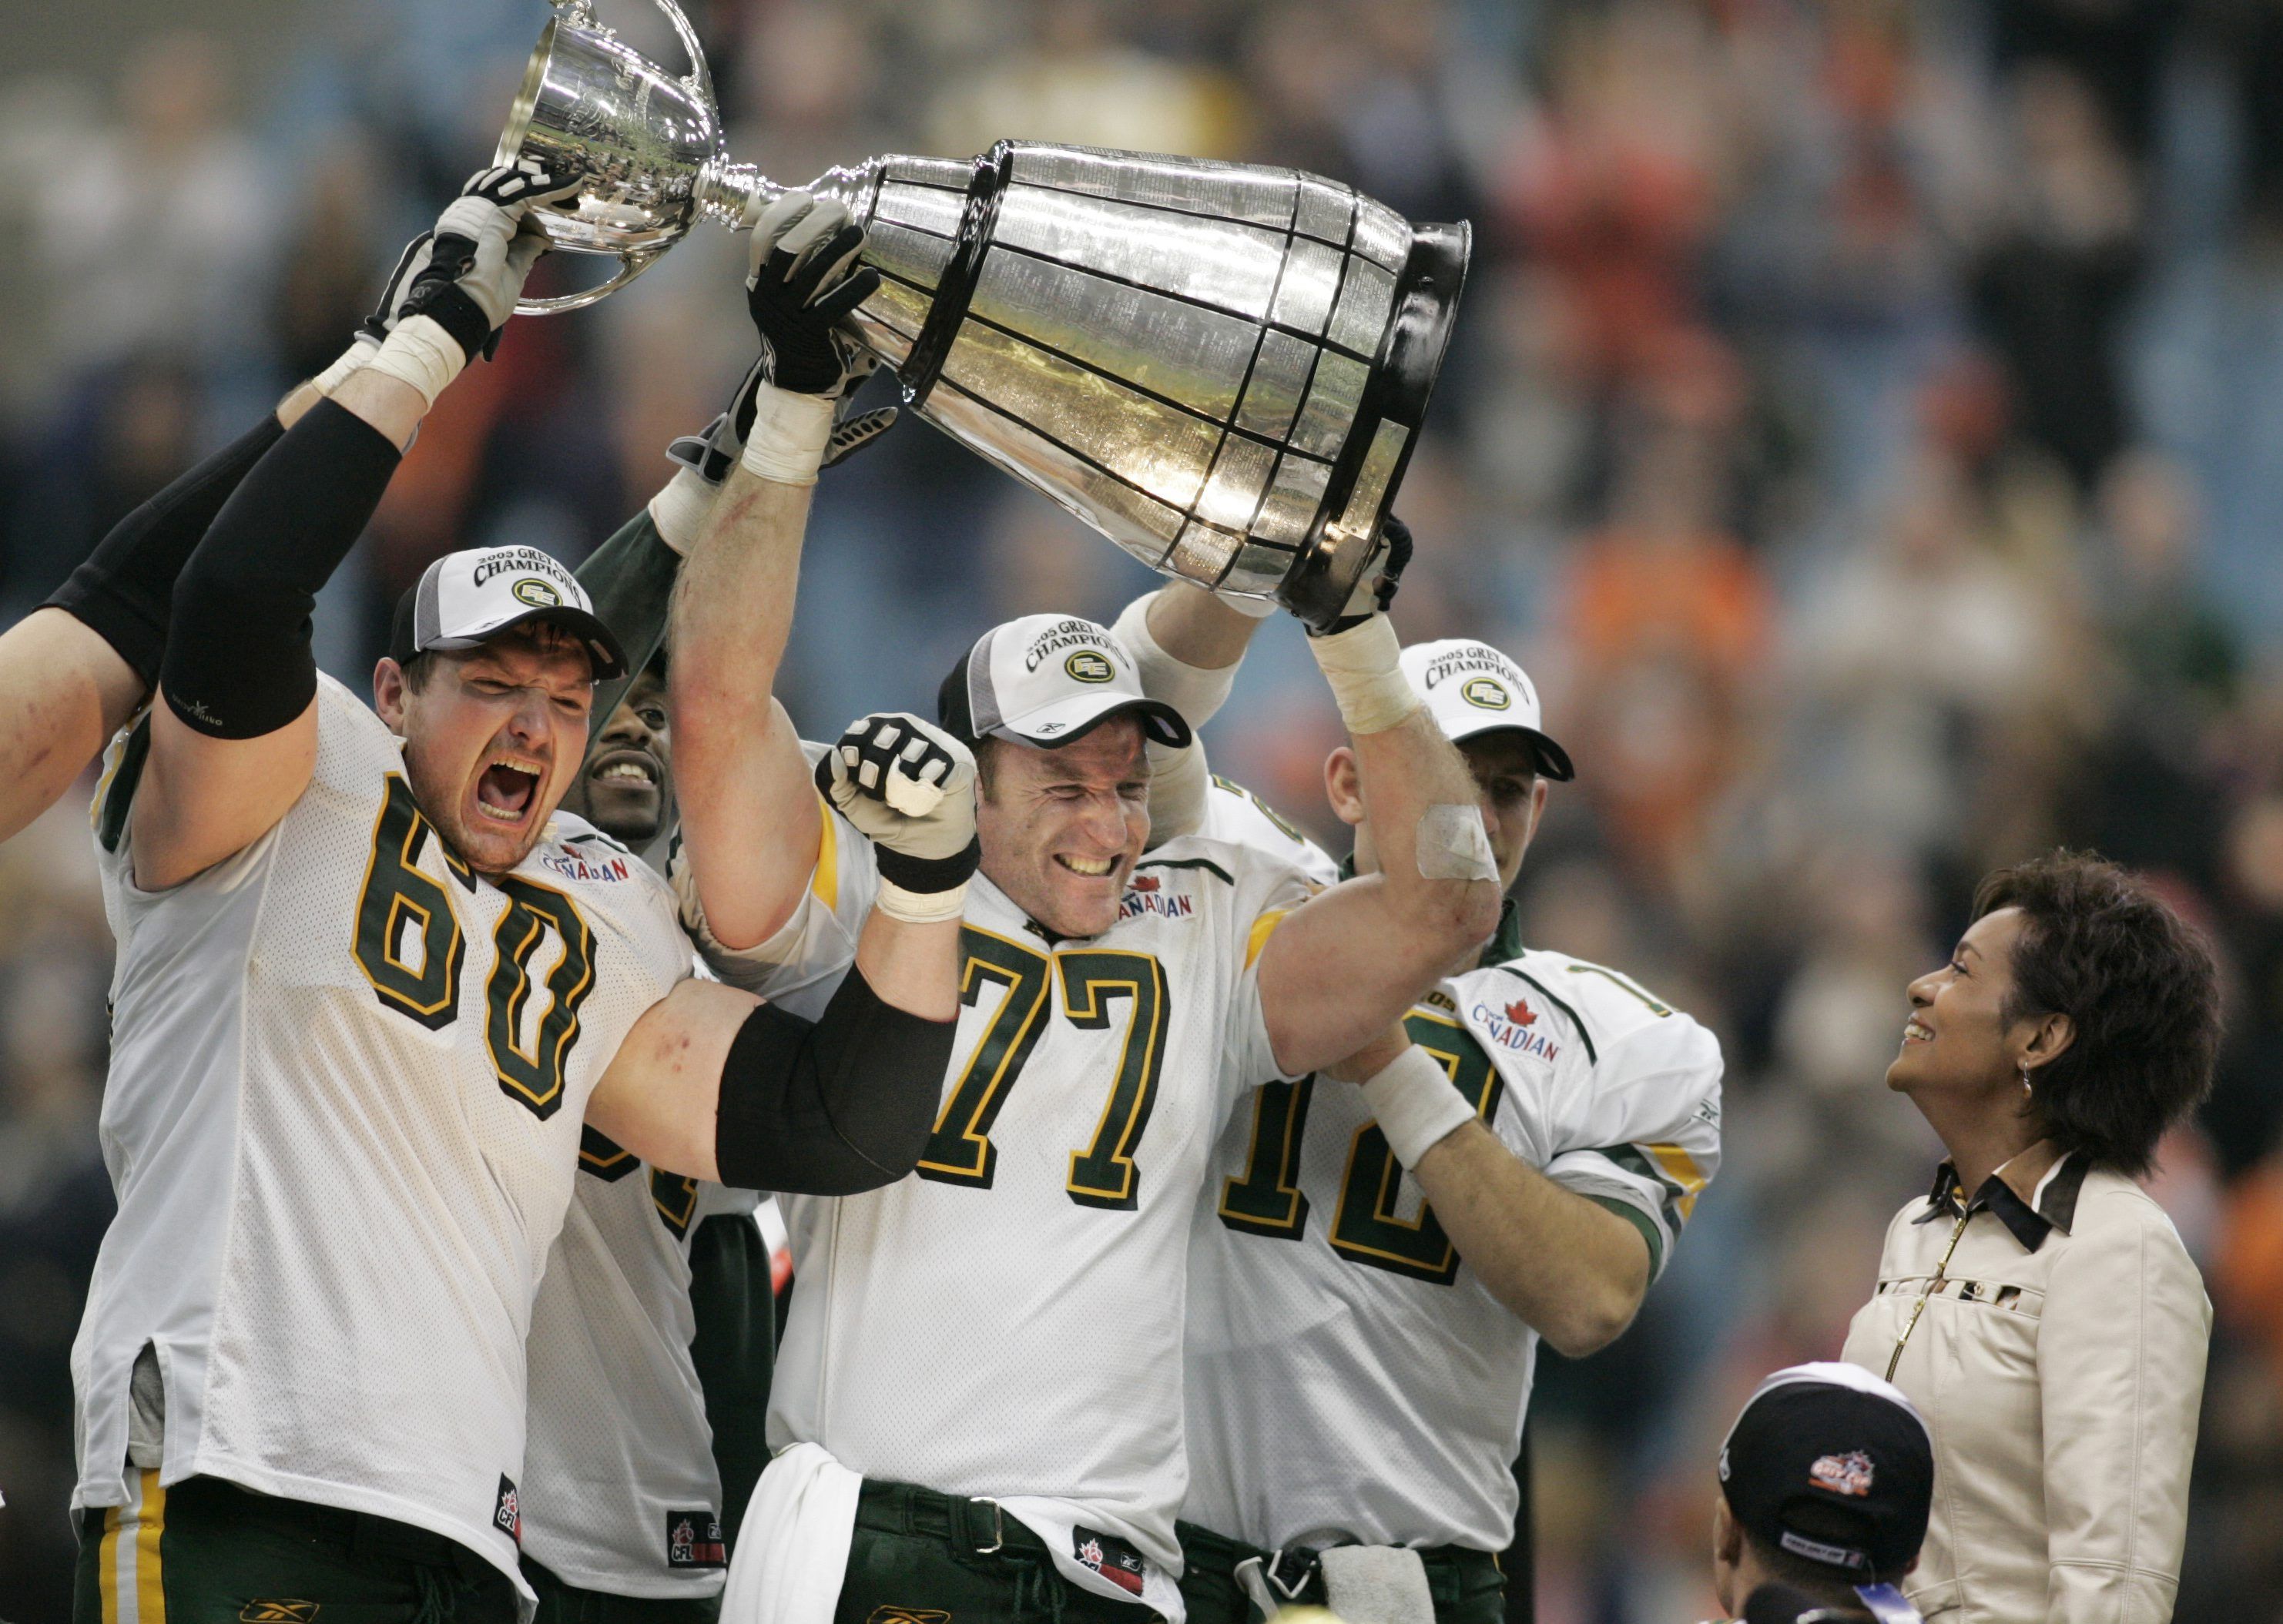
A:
x: 278, y: 1610
x: 1111, y: 1556
x: 1512, y: 1030
x: 507, y: 1513
x: 693, y: 1539
x: 1146, y: 894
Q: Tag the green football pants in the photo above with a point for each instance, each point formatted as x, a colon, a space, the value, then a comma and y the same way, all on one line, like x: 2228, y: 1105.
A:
x: 1467, y: 1585
x: 922, y: 1557
x: 205, y: 1551
x: 561, y: 1602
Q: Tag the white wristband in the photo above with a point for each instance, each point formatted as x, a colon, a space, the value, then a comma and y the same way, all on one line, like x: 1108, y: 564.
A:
x: 353, y: 359
x: 789, y: 434
x: 419, y: 351
x: 1416, y: 1105
x: 920, y: 907
x: 1362, y: 664
x: 679, y: 509
x: 1197, y: 691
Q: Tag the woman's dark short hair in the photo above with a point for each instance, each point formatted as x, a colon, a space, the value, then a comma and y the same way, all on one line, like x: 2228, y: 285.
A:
x: 2141, y: 987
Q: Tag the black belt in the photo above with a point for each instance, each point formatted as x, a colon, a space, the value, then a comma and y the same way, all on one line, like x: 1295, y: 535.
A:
x: 975, y: 1524
x: 1451, y: 1569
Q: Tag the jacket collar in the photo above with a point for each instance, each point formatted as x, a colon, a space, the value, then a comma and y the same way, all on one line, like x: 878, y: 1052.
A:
x: 1506, y: 942
x: 2032, y: 1196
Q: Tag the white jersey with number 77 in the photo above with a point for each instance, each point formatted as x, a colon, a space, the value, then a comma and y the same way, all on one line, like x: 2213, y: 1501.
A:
x: 1008, y: 1322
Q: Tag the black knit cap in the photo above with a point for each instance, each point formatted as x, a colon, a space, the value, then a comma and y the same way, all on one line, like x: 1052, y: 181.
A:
x: 1833, y: 1465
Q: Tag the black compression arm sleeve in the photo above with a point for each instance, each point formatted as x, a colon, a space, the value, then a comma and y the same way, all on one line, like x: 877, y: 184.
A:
x: 238, y: 662
x: 126, y: 589
x: 833, y: 1108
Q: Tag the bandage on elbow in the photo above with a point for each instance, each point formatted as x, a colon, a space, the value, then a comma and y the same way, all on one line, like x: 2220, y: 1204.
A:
x: 1452, y: 843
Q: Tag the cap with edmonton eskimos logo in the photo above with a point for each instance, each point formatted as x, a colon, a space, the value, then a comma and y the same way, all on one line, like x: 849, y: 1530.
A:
x: 1471, y: 689
x: 465, y: 599
x: 1046, y: 679
x: 1834, y: 1465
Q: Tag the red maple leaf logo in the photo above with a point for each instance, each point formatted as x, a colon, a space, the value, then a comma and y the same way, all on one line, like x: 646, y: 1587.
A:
x: 1145, y: 882
x: 1520, y: 1013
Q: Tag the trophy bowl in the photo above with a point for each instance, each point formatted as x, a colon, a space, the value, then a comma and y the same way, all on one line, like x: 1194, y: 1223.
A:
x: 1222, y: 367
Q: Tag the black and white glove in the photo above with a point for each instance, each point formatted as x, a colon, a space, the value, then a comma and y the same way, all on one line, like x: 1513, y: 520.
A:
x: 803, y: 277
x: 467, y: 273
x: 909, y: 786
x: 1376, y: 589
x: 715, y: 450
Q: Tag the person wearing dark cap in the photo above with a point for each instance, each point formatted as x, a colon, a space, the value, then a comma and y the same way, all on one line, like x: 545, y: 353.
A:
x: 1021, y: 1449
x: 371, y: 992
x: 1827, y: 1479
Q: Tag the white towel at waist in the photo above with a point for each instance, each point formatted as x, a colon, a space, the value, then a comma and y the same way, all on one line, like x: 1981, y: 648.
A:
x: 792, y: 1549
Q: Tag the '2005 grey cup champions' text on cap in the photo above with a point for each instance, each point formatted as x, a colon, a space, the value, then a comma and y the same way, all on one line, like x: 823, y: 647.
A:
x: 465, y: 599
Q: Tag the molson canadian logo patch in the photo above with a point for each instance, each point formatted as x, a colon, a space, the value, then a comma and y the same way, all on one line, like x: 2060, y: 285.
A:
x: 1146, y: 894
x: 1511, y: 1028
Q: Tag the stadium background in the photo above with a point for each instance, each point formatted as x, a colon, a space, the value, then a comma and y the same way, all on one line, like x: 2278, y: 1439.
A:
x: 1865, y: 420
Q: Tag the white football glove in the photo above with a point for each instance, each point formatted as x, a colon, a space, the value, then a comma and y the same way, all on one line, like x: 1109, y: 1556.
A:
x: 909, y: 786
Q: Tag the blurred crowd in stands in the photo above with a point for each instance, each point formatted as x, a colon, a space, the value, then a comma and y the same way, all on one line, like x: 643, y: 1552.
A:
x: 1865, y: 421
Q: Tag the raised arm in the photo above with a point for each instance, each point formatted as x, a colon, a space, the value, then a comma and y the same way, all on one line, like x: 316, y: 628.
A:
x: 749, y: 818
x: 233, y: 746
x: 715, y: 1084
x: 74, y: 669
x: 1347, y: 966
x: 1186, y: 643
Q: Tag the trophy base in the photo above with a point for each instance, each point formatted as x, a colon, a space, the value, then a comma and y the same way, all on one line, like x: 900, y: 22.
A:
x: 1371, y: 465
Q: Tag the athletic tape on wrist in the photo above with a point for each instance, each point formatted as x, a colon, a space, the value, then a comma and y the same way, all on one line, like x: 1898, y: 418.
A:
x: 1453, y: 844
x: 1415, y: 1104
x: 789, y: 435
x: 1197, y: 691
x: 681, y: 507
x: 920, y: 907
x: 419, y: 351
x: 353, y: 359
x: 1363, y: 665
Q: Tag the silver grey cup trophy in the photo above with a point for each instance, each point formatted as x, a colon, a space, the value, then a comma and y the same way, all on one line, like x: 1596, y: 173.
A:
x: 1221, y: 366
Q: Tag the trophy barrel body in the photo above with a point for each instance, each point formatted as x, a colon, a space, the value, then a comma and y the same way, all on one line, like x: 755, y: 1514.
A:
x: 1221, y: 367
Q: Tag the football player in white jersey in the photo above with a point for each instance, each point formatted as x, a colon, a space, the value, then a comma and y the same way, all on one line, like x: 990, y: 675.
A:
x: 368, y: 985
x: 981, y: 1364
x: 1374, y: 1266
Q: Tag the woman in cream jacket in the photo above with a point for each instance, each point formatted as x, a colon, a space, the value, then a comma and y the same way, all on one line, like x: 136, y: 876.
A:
x: 2037, y: 1306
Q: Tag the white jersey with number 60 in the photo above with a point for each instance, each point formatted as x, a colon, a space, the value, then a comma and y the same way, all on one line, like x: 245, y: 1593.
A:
x: 343, y: 1120
x: 1351, y: 1379
x: 1008, y: 1322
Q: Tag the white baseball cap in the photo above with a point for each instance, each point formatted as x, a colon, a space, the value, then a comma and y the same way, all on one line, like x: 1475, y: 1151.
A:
x: 1046, y: 679
x: 1471, y: 689
x: 466, y: 598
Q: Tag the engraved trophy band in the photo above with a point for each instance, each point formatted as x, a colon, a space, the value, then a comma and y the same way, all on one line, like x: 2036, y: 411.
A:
x: 1222, y: 367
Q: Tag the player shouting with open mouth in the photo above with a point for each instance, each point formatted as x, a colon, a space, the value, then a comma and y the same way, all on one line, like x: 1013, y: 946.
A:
x: 370, y: 983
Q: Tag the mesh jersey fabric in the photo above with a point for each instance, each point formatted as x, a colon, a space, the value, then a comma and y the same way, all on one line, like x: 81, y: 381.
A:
x: 1007, y: 1322
x: 1350, y: 1379
x: 619, y: 1456
x: 1234, y: 814
x: 342, y: 1122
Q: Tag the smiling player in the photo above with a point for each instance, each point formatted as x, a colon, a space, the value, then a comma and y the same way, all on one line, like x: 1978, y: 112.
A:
x: 1376, y: 1265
